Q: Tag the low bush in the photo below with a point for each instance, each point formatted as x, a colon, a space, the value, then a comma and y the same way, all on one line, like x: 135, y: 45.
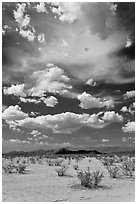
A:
x: 62, y: 170
x: 76, y: 167
x: 113, y: 171
x: 128, y: 168
x: 90, y: 179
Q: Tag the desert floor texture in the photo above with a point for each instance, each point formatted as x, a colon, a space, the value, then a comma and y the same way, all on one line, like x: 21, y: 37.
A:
x: 42, y: 184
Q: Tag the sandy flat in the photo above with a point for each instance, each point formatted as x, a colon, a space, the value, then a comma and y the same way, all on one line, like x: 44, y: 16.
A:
x: 42, y: 184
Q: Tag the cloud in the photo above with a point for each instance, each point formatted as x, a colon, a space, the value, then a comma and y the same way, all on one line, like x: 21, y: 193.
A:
x: 27, y: 34
x: 95, y: 37
x: 68, y: 12
x: 28, y: 100
x: 89, y: 101
x: 129, y: 94
x: 21, y: 19
x: 111, y: 116
x: 60, y: 123
x: 18, y: 141
x: 50, y: 101
x: 40, y: 7
x: 17, y: 90
x: 91, y: 82
x: 105, y: 140
x: 41, y: 37
x: 4, y: 107
x: 35, y: 133
x: 52, y: 79
x: 14, y: 113
x: 129, y: 127
x: 124, y: 109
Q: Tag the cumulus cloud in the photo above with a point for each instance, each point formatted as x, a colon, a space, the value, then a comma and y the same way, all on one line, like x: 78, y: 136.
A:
x: 60, y: 123
x: 124, y: 109
x: 35, y: 133
x: 91, y: 82
x: 17, y: 90
x: 27, y: 34
x: 68, y: 12
x: 40, y: 7
x: 111, y: 116
x: 52, y: 79
x: 129, y: 127
x: 129, y: 94
x: 41, y: 37
x: 50, y: 101
x: 21, y: 19
x: 89, y: 101
x: 14, y: 113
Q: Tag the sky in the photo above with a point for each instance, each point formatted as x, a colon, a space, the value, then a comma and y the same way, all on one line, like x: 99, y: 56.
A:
x: 68, y: 75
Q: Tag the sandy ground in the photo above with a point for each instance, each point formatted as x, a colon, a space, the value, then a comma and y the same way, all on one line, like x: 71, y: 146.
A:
x: 42, y: 184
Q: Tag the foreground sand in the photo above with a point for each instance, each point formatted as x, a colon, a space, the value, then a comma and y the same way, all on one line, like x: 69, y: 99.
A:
x: 42, y: 184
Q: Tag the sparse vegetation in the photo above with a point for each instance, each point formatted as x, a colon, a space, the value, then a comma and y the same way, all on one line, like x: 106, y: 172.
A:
x: 113, y: 171
x: 61, y: 171
x: 76, y: 167
x: 90, y: 179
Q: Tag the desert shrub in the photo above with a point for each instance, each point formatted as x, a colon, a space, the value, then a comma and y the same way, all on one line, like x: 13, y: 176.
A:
x: 106, y: 161
x: 58, y: 162
x: 32, y: 160
x: 90, y: 179
x: 113, y: 171
x: 8, y: 168
x: 76, y: 167
x: 21, y: 168
x: 50, y: 162
x: 128, y: 167
x: 61, y: 171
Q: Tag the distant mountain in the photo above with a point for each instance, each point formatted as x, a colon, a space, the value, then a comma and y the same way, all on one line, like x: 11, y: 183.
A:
x: 90, y: 150
x: 81, y: 151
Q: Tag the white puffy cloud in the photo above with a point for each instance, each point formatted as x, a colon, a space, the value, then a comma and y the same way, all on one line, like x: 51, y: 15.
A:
x: 35, y: 133
x: 40, y: 7
x: 27, y: 34
x: 21, y: 19
x: 129, y: 94
x: 89, y: 101
x: 17, y: 90
x: 63, y: 122
x: 41, y: 37
x: 124, y: 109
x: 111, y: 116
x: 50, y: 101
x: 52, y: 79
x: 68, y: 12
x: 91, y: 82
x: 129, y: 127
x: 14, y: 113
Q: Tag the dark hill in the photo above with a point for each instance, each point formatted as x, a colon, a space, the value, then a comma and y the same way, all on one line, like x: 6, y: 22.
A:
x: 81, y: 151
